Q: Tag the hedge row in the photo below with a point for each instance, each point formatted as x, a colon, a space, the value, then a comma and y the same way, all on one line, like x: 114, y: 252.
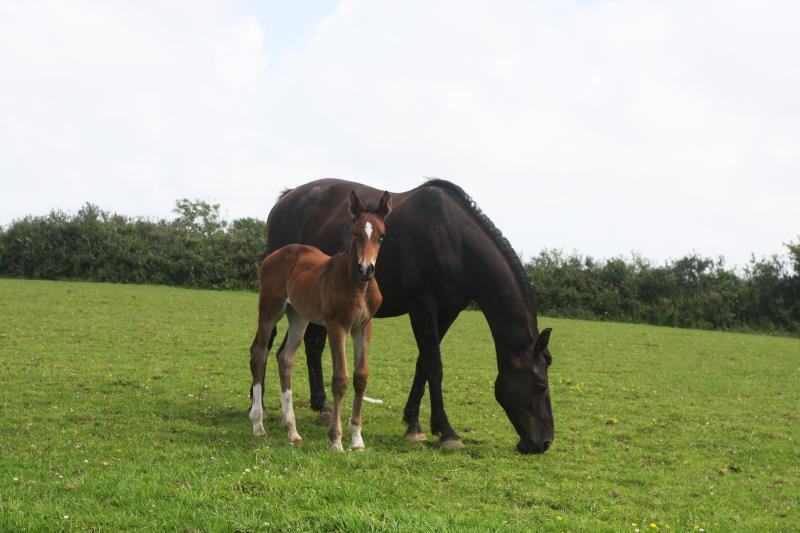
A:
x: 198, y: 249
x: 692, y: 291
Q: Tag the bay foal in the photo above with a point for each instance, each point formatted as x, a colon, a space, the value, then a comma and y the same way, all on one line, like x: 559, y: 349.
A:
x: 338, y: 292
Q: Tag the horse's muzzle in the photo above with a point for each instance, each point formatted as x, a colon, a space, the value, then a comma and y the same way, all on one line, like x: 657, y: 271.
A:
x: 528, y: 446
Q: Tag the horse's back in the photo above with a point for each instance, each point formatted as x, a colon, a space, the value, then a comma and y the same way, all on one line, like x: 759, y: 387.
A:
x: 315, y: 213
x: 422, y: 254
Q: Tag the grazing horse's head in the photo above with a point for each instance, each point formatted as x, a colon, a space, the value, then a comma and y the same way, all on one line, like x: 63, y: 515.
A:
x: 368, y: 233
x: 522, y: 391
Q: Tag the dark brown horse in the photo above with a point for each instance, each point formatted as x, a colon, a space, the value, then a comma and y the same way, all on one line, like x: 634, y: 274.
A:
x: 442, y: 253
x: 338, y: 293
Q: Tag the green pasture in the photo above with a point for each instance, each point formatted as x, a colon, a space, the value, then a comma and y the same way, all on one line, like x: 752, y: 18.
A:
x: 125, y: 407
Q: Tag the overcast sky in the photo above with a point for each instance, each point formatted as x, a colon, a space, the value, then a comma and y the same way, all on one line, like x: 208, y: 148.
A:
x: 605, y: 127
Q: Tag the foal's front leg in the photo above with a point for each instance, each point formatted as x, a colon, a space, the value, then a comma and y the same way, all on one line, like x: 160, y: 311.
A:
x: 361, y: 339
x: 336, y: 337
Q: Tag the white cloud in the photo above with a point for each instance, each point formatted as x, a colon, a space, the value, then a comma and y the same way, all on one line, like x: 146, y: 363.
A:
x: 600, y: 126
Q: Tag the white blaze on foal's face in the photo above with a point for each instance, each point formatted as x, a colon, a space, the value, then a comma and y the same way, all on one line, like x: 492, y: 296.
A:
x: 367, y: 238
x: 365, y: 260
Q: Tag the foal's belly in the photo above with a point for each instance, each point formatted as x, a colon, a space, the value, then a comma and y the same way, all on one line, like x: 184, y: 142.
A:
x: 309, y: 312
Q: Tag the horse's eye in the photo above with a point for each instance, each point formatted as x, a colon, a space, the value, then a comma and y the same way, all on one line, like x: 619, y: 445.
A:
x: 380, y: 239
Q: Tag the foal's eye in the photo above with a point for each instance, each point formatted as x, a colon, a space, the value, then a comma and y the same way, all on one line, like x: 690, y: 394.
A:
x: 380, y: 239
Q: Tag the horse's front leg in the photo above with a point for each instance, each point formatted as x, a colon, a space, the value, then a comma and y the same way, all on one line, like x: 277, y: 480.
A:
x: 361, y: 340
x: 414, y: 432
x: 425, y: 341
x: 426, y: 330
x: 337, y: 336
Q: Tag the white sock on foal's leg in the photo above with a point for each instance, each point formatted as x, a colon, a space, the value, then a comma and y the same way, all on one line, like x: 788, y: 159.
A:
x: 357, y: 443
x: 288, y: 417
x: 257, y: 413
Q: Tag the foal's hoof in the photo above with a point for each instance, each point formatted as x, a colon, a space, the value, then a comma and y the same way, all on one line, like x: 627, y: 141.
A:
x: 259, y: 431
x: 337, y: 447
x: 413, y: 436
x: 295, y: 438
x: 325, y: 417
x: 451, y: 444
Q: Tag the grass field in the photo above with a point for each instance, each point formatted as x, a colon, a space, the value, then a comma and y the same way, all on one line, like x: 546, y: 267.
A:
x: 124, y: 407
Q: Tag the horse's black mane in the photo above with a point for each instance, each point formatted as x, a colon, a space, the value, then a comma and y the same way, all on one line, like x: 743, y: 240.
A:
x: 497, y: 237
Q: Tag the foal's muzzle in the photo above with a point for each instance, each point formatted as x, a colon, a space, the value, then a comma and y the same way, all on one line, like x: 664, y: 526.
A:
x: 366, y: 272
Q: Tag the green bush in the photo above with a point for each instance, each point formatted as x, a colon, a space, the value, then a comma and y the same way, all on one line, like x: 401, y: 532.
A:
x: 197, y: 249
x: 692, y: 291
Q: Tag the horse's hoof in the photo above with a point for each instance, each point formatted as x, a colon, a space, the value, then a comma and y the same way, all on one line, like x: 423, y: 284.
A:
x: 358, y: 447
x: 325, y: 417
x: 451, y: 444
x: 412, y: 436
x: 259, y: 431
x: 336, y: 447
x: 295, y: 439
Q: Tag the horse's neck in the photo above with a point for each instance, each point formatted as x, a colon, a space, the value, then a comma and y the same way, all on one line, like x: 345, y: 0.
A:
x: 501, y: 299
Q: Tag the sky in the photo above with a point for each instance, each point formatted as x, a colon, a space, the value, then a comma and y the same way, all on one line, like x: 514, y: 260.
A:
x: 603, y: 127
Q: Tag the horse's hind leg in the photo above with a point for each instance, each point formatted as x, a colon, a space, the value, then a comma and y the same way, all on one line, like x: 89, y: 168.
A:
x: 286, y: 358
x: 361, y: 339
x: 315, y: 344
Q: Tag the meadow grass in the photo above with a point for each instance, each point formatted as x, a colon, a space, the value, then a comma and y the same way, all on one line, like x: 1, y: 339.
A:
x: 125, y: 407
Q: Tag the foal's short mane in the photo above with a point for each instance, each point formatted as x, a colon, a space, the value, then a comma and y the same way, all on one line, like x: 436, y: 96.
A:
x: 497, y: 237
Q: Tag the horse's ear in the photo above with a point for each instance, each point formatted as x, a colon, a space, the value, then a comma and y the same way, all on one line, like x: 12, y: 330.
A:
x: 541, y: 342
x: 384, y: 205
x: 355, y: 205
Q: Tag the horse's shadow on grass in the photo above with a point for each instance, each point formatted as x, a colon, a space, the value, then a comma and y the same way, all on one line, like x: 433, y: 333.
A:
x: 194, y: 423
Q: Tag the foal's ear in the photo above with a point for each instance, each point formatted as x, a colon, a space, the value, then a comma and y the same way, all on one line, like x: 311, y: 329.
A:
x: 356, y: 207
x: 384, y: 205
x: 541, y: 342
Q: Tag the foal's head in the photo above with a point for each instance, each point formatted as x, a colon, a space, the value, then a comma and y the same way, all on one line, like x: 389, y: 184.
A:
x: 368, y: 233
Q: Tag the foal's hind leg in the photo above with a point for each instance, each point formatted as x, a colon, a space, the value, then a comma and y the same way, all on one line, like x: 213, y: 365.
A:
x: 361, y: 339
x: 286, y: 357
x: 258, y: 363
x: 268, y: 315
